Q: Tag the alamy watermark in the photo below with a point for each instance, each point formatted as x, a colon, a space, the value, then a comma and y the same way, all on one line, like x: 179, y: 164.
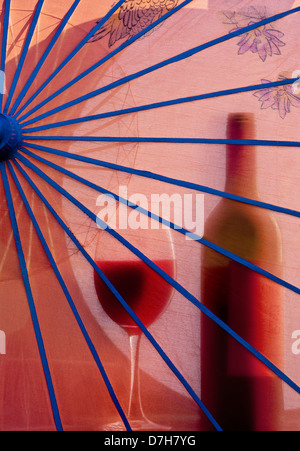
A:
x: 296, y: 343
x: 2, y: 82
x: 296, y: 84
x: 183, y: 212
x: 2, y: 342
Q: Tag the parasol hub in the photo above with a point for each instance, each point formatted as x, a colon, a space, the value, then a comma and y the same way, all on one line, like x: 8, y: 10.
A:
x: 10, y: 137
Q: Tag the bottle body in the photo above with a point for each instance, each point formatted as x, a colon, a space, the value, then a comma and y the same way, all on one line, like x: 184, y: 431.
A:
x: 239, y: 390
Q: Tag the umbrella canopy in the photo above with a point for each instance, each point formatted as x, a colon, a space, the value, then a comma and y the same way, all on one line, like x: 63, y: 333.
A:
x: 113, y: 135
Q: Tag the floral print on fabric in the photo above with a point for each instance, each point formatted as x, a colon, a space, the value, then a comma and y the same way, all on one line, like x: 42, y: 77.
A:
x: 265, y: 41
x: 281, y: 98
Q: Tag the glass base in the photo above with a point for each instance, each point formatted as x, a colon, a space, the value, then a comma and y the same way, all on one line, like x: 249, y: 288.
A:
x: 136, y: 425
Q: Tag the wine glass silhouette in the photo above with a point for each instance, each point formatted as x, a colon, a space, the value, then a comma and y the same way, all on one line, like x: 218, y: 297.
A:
x: 144, y: 290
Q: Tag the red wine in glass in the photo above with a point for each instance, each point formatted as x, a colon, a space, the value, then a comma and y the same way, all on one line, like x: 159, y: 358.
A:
x: 144, y: 290
x: 148, y: 295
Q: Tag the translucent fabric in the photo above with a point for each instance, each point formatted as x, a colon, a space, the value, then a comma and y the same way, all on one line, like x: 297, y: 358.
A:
x: 67, y: 362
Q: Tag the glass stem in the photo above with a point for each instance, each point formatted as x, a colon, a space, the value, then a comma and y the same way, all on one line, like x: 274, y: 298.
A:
x: 135, y: 405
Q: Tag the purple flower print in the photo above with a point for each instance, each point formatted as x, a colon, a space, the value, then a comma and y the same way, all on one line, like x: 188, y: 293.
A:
x: 279, y: 98
x: 265, y: 40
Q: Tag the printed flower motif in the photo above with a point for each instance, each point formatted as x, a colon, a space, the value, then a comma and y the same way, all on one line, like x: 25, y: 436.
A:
x: 265, y: 40
x: 279, y: 98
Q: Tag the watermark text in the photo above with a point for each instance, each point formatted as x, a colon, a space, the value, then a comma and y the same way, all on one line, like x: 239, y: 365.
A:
x: 183, y: 212
x: 296, y: 343
x: 2, y: 342
x: 296, y: 84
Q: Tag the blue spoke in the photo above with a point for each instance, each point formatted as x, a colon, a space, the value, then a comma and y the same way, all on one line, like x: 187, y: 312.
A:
x: 24, y: 54
x: 102, y: 61
x: 44, y: 57
x: 119, y: 139
x: 69, y: 299
x: 174, y: 226
x: 148, y: 107
x: 169, y: 279
x: 74, y: 52
x: 4, y: 49
x: 30, y: 299
x: 115, y: 292
x: 154, y: 176
x: 177, y: 58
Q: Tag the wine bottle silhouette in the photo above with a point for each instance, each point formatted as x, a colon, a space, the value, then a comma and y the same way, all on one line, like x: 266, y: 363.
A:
x: 238, y: 389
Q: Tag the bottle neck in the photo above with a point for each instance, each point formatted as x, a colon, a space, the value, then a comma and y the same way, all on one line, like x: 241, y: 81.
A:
x: 241, y: 160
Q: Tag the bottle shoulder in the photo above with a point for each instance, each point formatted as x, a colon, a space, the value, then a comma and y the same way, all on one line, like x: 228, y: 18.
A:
x: 249, y: 231
x: 236, y: 213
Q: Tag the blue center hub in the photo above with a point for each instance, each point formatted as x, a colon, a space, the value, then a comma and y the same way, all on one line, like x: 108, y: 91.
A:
x: 10, y: 137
